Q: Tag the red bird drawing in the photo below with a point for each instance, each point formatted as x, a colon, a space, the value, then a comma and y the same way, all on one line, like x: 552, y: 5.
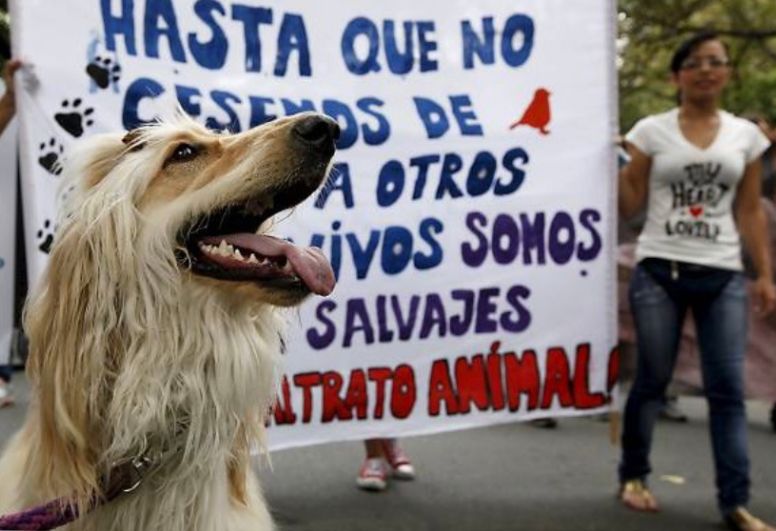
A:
x: 537, y: 114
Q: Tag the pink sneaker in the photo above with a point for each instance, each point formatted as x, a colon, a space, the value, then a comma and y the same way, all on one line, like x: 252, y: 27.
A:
x: 398, y: 459
x: 373, y: 475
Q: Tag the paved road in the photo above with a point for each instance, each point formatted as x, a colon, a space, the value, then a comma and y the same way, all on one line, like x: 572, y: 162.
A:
x: 511, y: 477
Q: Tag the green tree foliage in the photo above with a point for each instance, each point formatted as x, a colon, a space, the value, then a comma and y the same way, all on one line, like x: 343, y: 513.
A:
x: 5, y: 32
x: 650, y: 31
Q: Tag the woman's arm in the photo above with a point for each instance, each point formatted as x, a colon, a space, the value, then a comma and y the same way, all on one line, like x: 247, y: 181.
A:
x: 7, y: 110
x: 633, y: 181
x: 754, y: 231
x: 8, y: 100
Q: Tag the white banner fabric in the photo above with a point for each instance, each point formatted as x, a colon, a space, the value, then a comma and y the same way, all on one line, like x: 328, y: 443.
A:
x: 7, y: 235
x: 470, y: 213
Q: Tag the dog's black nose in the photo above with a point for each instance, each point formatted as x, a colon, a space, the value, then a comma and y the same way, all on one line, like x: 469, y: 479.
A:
x: 318, y: 130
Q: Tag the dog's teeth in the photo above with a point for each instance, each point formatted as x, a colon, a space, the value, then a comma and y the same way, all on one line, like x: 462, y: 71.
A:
x: 238, y: 254
x: 252, y: 259
x: 225, y: 249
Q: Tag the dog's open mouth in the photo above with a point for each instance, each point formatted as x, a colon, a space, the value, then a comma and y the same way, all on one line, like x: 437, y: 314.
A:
x: 224, y: 245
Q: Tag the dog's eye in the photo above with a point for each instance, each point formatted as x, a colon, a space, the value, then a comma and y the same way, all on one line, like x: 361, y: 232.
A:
x: 183, y: 153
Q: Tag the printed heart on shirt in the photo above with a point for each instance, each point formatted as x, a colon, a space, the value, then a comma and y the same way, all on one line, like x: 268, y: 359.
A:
x: 696, y: 210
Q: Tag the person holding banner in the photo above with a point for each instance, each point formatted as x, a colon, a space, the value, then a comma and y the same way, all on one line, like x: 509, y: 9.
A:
x: 7, y: 111
x: 384, y: 457
x: 697, y: 168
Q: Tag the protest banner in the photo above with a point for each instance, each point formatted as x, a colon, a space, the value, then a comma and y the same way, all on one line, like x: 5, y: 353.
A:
x: 469, y: 213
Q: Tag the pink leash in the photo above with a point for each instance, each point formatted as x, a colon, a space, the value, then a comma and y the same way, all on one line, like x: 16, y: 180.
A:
x: 49, y: 516
x: 124, y: 479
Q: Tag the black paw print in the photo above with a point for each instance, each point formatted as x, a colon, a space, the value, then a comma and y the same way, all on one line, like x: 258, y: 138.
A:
x: 72, y: 118
x: 51, y: 156
x: 104, y: 71
x: 45, y: 237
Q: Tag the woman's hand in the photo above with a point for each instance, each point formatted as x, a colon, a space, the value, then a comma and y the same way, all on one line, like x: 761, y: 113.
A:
x: 764, y: 296
x: 753, y: 226
x: 10, y: 68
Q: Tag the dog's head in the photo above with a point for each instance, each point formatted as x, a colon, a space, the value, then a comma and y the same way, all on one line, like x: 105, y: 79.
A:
x: 203, y: 199
x: 156, y: 310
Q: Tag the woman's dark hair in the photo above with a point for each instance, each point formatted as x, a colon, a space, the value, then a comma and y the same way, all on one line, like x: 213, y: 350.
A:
x: 686, y: 48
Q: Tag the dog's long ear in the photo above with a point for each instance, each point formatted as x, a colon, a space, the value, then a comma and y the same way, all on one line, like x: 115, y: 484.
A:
x: 72, y: 321
x: 62, y: 370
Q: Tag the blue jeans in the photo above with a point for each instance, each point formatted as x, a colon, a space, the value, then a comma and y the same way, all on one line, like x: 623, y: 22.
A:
x: 721, y: 322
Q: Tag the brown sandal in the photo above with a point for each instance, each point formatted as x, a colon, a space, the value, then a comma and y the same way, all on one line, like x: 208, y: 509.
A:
x: 635, y: 495
x: 742, y: 520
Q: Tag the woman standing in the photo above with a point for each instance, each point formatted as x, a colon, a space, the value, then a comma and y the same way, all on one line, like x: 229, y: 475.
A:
x: 697, y: 169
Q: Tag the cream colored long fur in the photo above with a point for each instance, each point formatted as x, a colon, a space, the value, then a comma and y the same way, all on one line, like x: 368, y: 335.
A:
x: 132, y: 354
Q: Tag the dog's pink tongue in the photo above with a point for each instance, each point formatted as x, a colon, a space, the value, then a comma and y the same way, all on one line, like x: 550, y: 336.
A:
x: 308, y: 263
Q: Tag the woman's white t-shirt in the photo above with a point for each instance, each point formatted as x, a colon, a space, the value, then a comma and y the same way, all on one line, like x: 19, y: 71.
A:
x: 691, y: 190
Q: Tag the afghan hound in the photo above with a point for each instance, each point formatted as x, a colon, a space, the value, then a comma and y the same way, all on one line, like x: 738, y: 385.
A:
x: 155, y: 332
